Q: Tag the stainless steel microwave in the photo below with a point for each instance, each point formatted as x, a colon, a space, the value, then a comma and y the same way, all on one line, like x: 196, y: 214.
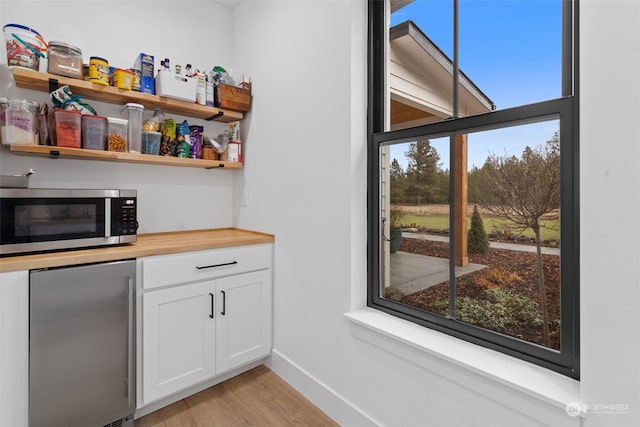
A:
x: 46, y: 219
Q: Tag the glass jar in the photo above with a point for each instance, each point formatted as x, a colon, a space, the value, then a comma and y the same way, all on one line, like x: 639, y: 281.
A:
x: 65, y: 59
x: 21, y: 122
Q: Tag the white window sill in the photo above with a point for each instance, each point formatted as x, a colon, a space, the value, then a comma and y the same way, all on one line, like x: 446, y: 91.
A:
x: 535, y: 381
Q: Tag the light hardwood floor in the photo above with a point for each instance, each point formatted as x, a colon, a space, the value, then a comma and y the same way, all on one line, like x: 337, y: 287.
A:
x: 256, y: 398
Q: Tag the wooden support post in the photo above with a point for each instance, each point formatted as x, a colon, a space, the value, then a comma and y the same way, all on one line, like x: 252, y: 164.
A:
x: 461, y: 200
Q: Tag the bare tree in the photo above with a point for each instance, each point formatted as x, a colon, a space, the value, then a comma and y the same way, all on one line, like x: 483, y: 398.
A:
x: 523, y: 190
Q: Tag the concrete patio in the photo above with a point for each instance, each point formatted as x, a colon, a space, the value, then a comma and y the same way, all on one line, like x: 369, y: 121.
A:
x: 412, y: 273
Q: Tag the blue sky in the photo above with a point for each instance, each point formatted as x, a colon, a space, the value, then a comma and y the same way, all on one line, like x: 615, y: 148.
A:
x: 509, y: 48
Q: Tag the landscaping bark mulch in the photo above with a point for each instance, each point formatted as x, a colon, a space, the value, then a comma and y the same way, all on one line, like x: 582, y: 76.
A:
x: 522, y: 264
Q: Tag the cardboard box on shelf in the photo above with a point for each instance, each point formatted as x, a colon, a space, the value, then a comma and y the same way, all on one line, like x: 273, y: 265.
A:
x: 145, y: 64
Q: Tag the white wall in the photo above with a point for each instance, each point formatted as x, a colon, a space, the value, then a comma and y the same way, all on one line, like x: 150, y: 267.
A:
x: 308, y: 62
x: 196, y: 32
x: 305, y: 181
x: 610, y: 205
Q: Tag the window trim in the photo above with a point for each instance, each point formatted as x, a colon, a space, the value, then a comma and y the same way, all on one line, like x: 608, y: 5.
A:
x: 565, y: 361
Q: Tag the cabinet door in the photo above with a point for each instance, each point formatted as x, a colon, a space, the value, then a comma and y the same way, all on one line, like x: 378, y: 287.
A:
x: 178, y: 338
x: 243, y: 320
x: 14, y: 348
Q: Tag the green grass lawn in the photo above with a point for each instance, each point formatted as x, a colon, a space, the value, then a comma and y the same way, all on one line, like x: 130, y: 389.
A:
x: 550, y: 230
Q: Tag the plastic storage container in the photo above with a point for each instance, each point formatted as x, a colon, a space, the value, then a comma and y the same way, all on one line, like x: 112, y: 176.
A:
x: 68, y: 128
x: 116, y: 134
x: 94, y: 132
x: 133, y: 113
x: 65, y: 60
x: 3, y: 109
x: 151, y: 142
x: 123, y: 79
x: 99, y: 70
x: 176, y: 86
x: 25, y: 46
x: 21, y: 122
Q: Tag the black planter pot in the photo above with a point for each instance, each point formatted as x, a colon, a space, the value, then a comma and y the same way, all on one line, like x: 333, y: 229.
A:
x: 395, y: 239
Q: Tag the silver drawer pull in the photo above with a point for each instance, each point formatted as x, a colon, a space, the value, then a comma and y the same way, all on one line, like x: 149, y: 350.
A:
x: 202, y: 267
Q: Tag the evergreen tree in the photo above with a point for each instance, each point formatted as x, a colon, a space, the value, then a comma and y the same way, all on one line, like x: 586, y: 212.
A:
x: 422, y: 172
x: 477, y: 241
x: 398, y: 182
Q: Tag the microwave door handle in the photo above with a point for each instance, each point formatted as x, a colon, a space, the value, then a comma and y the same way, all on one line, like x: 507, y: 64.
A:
x: 107, y: 217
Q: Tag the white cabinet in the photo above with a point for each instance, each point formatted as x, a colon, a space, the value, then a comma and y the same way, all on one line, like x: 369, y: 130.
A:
x: 14, y: 348
x: 243, y: 326
x: 203, y: 313
x: 178, y: 338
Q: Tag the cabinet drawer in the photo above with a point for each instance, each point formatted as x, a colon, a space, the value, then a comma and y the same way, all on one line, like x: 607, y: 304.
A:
x: 165, y: 270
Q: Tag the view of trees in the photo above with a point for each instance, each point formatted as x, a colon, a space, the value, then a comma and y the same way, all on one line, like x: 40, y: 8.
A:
x: 521, y: 190
x: 424, y: 181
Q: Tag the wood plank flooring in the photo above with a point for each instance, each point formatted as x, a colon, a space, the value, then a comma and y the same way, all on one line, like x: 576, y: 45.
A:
x: 256, y: 398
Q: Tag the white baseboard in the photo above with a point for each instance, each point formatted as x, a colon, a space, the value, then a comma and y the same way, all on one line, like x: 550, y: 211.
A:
x: 328, y: 400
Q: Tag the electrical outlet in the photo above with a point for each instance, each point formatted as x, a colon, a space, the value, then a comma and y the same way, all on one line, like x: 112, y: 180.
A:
x: 245, y: 197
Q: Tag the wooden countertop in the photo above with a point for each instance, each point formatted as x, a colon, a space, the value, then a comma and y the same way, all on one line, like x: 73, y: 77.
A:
x: 147, y: 244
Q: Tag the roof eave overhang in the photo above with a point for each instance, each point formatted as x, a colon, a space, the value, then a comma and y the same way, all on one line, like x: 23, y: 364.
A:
x: 399, y: 4
x: 410, y: 29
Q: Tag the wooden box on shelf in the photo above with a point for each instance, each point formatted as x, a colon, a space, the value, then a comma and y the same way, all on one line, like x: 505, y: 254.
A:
x: 233, y: 98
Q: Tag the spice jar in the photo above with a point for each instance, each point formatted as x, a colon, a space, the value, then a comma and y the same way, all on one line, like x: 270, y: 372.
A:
x: 65, y: 59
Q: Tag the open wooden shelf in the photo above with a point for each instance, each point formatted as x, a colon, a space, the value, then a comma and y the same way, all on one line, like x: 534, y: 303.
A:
x: 80, y: 153
x: 28, y: 79
x: 35, y: 80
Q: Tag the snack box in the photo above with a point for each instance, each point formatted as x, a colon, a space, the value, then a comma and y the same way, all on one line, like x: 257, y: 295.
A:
x: 145, y: 64
x: 176, y: 86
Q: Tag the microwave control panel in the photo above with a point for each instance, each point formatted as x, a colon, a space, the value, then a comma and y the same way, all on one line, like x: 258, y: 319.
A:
x: 123, y: 216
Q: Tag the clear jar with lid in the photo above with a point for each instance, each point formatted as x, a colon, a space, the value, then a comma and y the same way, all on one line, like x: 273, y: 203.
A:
x: 133, y: 113
x: 21, y: 122
x: 116, y: 134
x: 65, y: 59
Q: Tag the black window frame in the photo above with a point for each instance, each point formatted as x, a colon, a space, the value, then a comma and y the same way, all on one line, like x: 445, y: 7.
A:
x: 565, y: 361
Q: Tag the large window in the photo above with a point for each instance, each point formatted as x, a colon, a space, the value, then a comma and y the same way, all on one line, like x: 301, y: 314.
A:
x: 473, y: 177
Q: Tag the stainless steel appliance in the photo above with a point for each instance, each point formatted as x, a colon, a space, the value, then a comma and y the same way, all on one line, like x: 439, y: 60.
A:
x: 44, y: 219
x: 82, y: 345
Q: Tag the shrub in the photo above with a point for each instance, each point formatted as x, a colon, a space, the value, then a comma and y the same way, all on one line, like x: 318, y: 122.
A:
x: 477, y: 241
x: 501, y: 309
x: 498, y: 279
x: 396, y: 215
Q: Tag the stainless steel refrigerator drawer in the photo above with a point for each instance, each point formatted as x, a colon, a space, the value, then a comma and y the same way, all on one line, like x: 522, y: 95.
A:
x: 82, y: 345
